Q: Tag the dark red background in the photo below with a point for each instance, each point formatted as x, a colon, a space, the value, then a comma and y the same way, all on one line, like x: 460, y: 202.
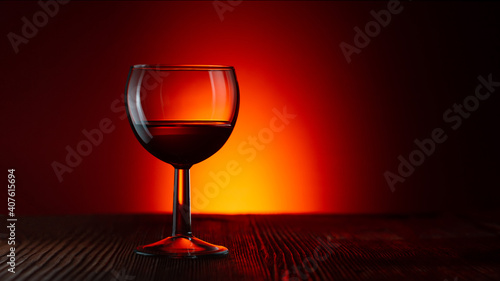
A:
x: 353, y: 119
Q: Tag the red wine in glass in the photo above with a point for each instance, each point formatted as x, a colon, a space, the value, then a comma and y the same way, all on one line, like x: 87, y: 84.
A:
x: 182, y: 114
x: 184, y: 143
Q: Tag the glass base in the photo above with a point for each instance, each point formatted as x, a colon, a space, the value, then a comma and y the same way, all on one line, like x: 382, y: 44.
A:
x: 181, y: 246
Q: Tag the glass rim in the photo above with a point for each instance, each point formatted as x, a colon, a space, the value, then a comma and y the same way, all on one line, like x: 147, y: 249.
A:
x: 182, y: 67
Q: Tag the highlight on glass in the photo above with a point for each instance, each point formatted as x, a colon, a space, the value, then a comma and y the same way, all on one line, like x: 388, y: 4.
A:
x: 182, y: 114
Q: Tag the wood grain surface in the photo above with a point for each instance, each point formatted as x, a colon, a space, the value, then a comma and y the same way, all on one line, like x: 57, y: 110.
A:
x: 262, y: 247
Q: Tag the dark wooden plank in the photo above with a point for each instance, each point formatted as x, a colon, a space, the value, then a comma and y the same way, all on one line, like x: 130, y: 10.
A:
x: 262, y: 247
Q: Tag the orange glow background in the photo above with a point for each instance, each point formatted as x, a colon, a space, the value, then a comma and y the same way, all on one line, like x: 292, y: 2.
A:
x: 303, y: 168
x: 352, y: 119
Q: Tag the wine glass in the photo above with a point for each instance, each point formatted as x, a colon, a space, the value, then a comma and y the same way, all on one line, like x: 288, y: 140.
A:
x: 182, y: 114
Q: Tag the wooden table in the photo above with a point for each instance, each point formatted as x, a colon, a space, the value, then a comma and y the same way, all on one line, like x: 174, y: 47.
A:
x: 262, y: 247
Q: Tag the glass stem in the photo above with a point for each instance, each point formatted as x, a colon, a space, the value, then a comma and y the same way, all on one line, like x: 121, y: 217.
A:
x: 182, y: 203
